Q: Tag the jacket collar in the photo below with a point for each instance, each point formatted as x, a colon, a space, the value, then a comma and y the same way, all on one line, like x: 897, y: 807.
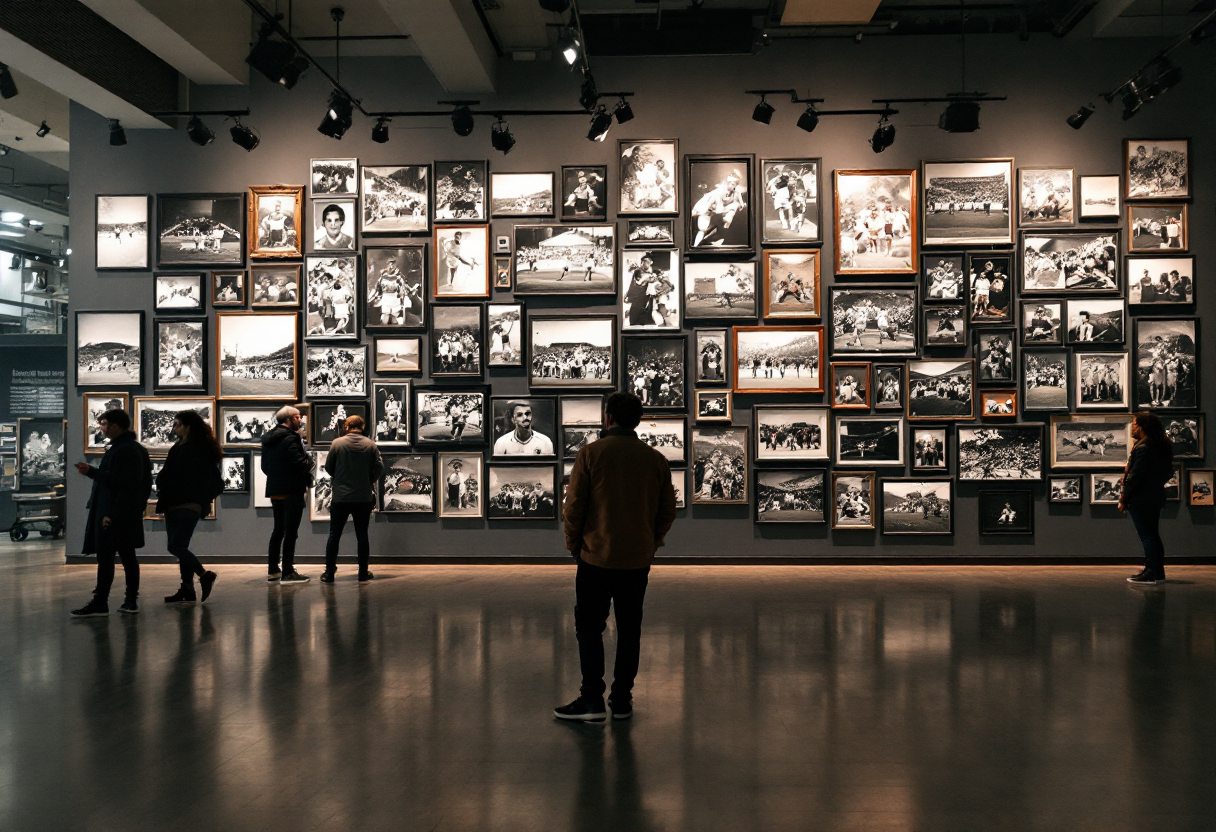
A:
x: 618, y: 431
x: 125, y: 436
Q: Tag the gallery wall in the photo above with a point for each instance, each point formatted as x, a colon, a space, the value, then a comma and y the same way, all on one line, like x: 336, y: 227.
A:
x: 700, y: 102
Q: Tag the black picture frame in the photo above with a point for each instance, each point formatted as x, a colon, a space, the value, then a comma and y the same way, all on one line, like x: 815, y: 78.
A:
x: 1007, y: 511
x: 275, y: 285
x: 1044, y: 380
x: 190, y: 358
x: 584, y: 196
x: 845, y: 313
x: 320, y: 357
x: 1147, y: 289
x: 406, y: 282
x: 462, y: 190
x: 929, y: 377
x: 403, y: 181
x: 1042, y: 322
x: 649, y: 233
x: 981, y: 450
x: 999, y: 307
x: 790, y: 495
x: 996, y: 359
x: 791, y: 433
x: 945, y: 327
x: 456, y: 361
x: 1186, y: 432
x: 328, y: 418
x: 408, y: 481
x: 219, y: 217
x: 167, y: 286
x: 99, y: 349
x: 648, y: 177
x: 1065, y: 488
x: 707, y: 186
x: 432, y: 412
x: 651, y: 291
x: 113, y: 216
x: 387, y: 352
x: 319, y: 271
x: 943, y: 281
x: 234, y: 469
x: 1166, y: 341
x: 511, y: 492
x: 782, y: 185
x: 643, y: 354
x: 539, y: 272
x: 542, y: 444
x: 929, y: 448
x: 550, y: 341
x: 1095, y: 322
x: 919, y: 509
x: 395, y: 420
x: 1046, y: 268
x: 711, y: 356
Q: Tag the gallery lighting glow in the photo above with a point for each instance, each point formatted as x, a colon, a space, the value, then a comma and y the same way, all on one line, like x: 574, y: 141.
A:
x: 11, y: 216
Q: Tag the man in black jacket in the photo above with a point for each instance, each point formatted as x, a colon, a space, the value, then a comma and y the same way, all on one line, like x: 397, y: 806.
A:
x: 121, y: 486
x: 288, y: 469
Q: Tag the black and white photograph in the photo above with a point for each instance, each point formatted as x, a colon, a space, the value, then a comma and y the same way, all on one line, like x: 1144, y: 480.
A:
x: 791, y: 284
x: 1157, y: 228
x: 321, y: 492
x: 581, y: 423
x: 1201, y: 486
x: 1167, y: 363
x: 778, y: 359
x: 874, y: 320
x: 1005, y: 452
x: 943, y: 277
x: 791, y: 433
x: 650, y: 290
x: 122, y: 232
x: 329, y: 420
x: 1044, y: 380
x: 565, y: 260
x: 710, y: 359
x: 851, y: 385
x: 243, y: 426
x: 1160, y: 281
x: 396, y: 287
x: 153, y: 418
x: 584, y: 193
x: 1089, y: 441
x: 995, y: 355
x: 1042, y: 323
x: 998, y: 404
x: 990, y: 287
x: 260, y: 500
x: 1070, y: 262
x: 1046, y: 196
x: 648, y: 177
x: 1095, y: 321
x: 460, y: 191
x: 946, y: 326
x: 109, y: 349
x: 396, y: 199
x: 791, y: 211
x: 1105, y: 489
x: 181, y: 354
x: 523, y: 426
x: 449, y: 417
x: 407, y: 485
x: 234, y: 470
x: 462, y: 262
x: 1065, y: 489
x: 679, y: 484
x: 649, y: 233
x: 888, y: 383
x: 505, y: 327
x: 397, y: 355
x: 1100, y: 198
x: 929, y: 448
x: 917, y: 506
x: 790, y: 495
x: 572, y: 351
x: 1157, y: 168
x: 1173, y: 486
x: 180, y: 293
x: 276, y: 221
x: 521, y: 492
x: 502, y: 270
x: 93, y: 404
x: 862, y: 441
x: 941, y: 389
x: 192, y: 229
x: 666, y: 434
x: 390, y: 422
x: 655, y: 370
x: 331, y: 298
x: 228, y: 290
x: 719, y: 465
x: 333, y: 177
x: 719, y: 195
x: 853, y: 500
x: 1100, y: 381
x: 335, y: 371
x: 522, y: 194
x: 42, y: 456
x: 1009, y: 511
x: 456, y: 341
x: 716, y: 291
x: 968, y: 202
x: 577, y: 437
x: 333, y: 224
x: 876, y: 223
x: 712, y: 405
x: 1185, y: 432
x: 460, y: 481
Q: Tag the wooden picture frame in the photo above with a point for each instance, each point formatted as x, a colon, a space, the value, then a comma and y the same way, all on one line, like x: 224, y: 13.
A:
x: 852, y: 501
x: 761, y: 350
x: 800, y: 266
x: 274, y: 333
x: 270, y: 238
x: 854, y: 257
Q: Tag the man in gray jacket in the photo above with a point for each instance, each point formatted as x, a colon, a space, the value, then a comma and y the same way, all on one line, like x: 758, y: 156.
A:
x: 354, y: 466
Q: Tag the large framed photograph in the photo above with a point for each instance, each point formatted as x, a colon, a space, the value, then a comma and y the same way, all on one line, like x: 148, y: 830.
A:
x: 777, y: 359
x: 181, y: 354
x: 122, y: 232
x: 333, y: 178
x: 1090, y: 441
x: 863, y: 441
x: 274, y: 286
x: 396, y: 287
x: 584, y: 193
x: 1201, y: 486
x: 397, y: 355
x: 718, y: 291
x: 1070, y: 262
x: 968, y: 202
x: 876, y: 222
x: 462, y: 262
x: 1157, y: 227
x: 851, y: 386
x: 1008, y: 511
x: 395, y: 200
x: 719, y: 195
x: 457, y: 335
x: 41, y: 451
x: 93, y: 404
x: 791, y: 433
x: 1154, y: 280
x: 193, y: 229
x: 153, y: 418
x: 790, y: 212
x: 929, y: 448
x: 331, y: 292
x: 1044, y: 380
x: 1046, y: 196
x: 505, y: 326
x: 990, y: 286
x: 917, y: 505
x: 1066, y: 489
x: 648, y: 177
x: 720, y: 471
x: 1101, y: 380
x: 256, y: 355
x: 943, y: 277
x: 1042, y: 323
x: 333, y: 224
x: 523, y: 426
x: 648, y: 233
x: 945, y: 326
x: 853, y: 500
x: 335, y: 372
x: 1000, y: 453
x: 1105, y: 489
x: 179, y: 293
x: 1157, y: 169
x: 1167, y: 363
x: 407, y: 485
x: 460, y: 191
x: 1095, y: 321
x: 1185, y: 432
x: 790, y: 495
x: 449, y: 417
x: 234, y: 470
x: 650, y: 290
x: 329, y: 420
x: 228, y: 289
x: 995, y: 354
x: 390, y: 422
x: 460, y: 479
x: 941, y: 389
x: 276, y: 219
x: 243, y: 426
x: 109, y: 349
x: 1100, y: 198
x: 655, y: 370
x: 791, y: 284
x: 710, y: 357
x: 874, y: 320
x: 581, y: 422
x: 522, y: 194
x: 572, y: 351
x: 713, y: 405
x: 560, y: 260
x: 521, y: 492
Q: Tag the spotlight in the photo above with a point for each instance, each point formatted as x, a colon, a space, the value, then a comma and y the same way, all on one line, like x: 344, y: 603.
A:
x: 4, y: 149
x: 380, y: 131
x: 337, y: 117
x: 462, y: 121
x: 569, y: 47
x: 277, y: 60
x: 588, y: 97
x: 763, y: 112
x: 43, y: 131
x: 623, y: 112
x: 884, y: 136
x: 8, y: 87
x: 809, y: 120
x: 198, y: 132
x: 601, y: 122
x: 960, y: 117
x: 1077, y: 120
x: 501, y: 138
x: 11, y: 216
x: 118, y: 136
x: 1132, y: 100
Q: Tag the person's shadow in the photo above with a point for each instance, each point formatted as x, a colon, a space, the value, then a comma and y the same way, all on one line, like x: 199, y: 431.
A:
x: 609, y: 792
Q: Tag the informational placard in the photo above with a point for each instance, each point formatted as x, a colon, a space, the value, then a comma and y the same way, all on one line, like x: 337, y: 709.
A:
x: 33, y: 381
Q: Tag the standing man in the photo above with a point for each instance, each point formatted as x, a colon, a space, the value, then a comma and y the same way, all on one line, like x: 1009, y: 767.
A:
x: 619, y: 508
x: 1142, y: 492
x: 288, y: 469
x: 122, y: 484
x: 354, y: 465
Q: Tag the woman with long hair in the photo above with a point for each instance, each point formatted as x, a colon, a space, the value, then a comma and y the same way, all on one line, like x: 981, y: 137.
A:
x: 1148, y: 470
x: 186, y: 487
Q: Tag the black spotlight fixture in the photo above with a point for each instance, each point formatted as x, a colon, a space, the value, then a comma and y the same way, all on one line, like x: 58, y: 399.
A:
x: 569, y: 47
x: 960, y: 117
x: 244, y: 136
x: 198, y: 132
x: 601, y: 122
x: 337, y: 117
x: 1077, y: 120
x: 43, y: 131
x: 884, y: 136
x: 501, y: 138
x: 291, y: 73
x: 272, y: 58
x: 588, y: 95
x: 118, y: 136
x: 4, y: 149
x: 763, y: 112
x: 8, y: 87
x: 623, y: 112
x: 462, y: 121
x: 380, y: 131
x: 809, y: 120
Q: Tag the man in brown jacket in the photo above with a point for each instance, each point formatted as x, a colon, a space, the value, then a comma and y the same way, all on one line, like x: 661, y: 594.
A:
x: 619, y: 507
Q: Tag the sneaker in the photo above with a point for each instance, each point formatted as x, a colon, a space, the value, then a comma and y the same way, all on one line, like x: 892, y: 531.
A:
x: 366, y: 576
x: 293, y: 577
x: 273, y: 576
x: 582, y: 711
x: 184, y: 596
x: 206, y: 582
x: 621, y: 708
x: 93, y: 609
x: 327, y: 577
x: 129, y: 607
x: 1145, y: 579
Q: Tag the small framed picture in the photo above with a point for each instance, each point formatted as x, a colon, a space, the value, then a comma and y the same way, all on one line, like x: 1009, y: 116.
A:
x: 333, y: 178
x: 397, y: 355
x: 1157, y: 168
x: 929, y: 448
x: 122, y: 232
x: 462, y: 267
x: 523, y: 426
x: 274, y: 286
x: 889, y: 386
x: 456, y: 340
x: 260, y: 500
x: 667, y: 435
x: 390, y: 422
x: 228, y: 289
x: 999, y: 404
x: 1095, y: 321
x: 710, y: 358
x: 790, y: 212
x: 648, y: 177
x: 851, y: 385
x: 1088, y: 441
x: 853, y: 500
x: 581, y: 422
x: 719, y: 216
x: 395, y: 200
x: 521, y: 194
x: 396, y: 287
x: 460, y: 484
x: 333, y: 224
x: 1069, y: 262
x: 1158, y: 280
x: 791, y: 284
x: 1044, y: 380
x: 1185, y: 432
x: 1046, y: 196
x: 655, y: 369
x: 869, y: 440
x: 181, y: 354
x: 243, y: 426
x: 945, y: 326
x: 1099, y: 198
x: 790, y: 495
x: 791, y: 433
x: 276, y: 218
x: 1042, y: 323
x: 502, y: 273
x: 877, y: 231
x: 720, y: 475
x: 502, y: 244
x: 1100, y: 381
x: 93, y: 405
x: 991, y: 286
x: 1008, y: 511
x: 917, y: 505
x: 521, y: 492
x: 1064, y: 489
x: 874, y: 320
x: 943, y: 277
x: 506, y: 331
x: 777, y: 359
x: 649, y: 233
x: 584, y: 193
x: 650, y: 290
x: 1157, y: 227
x: 178, y: 293
x: 407, y: 485
x: 455, y: 416
x: 329, y: 420
x: 234, y: 469
x: 1173, y: 486
x: 557, y: 260
x: 1201, y: 485
x: 995, y: 352
x: 333, y: 371
x: 460, y: 191
x: 941, y: 389
x: 331, y: 295
x: 1105, y: 489
x: 713, y: 405
x: 718, y: 291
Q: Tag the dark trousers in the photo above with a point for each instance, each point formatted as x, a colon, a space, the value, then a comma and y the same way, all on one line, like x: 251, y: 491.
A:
x: 287, y: 514
x: 1147, y: 520
x: 361, y: 513
x: 595, y: 590
x: 179, y: 528
x: 108, y: 545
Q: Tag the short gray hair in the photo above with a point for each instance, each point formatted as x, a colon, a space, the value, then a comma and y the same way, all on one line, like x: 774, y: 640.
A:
x: 285, y: 413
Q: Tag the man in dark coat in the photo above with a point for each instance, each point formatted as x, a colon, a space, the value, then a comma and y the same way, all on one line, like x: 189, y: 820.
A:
x: 122, y: 484
x: 289, y: 473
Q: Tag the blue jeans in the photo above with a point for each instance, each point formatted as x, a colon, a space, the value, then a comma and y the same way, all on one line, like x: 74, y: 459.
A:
x: 287, y: 515
x: 1147, y: 521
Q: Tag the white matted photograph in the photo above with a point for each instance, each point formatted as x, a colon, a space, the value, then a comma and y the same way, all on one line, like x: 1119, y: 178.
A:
x: 449, y: 417
x: 853, y: 500
x: 390, y: 422
x: 333, y: 224
x: 122, y: 232
x: 109, y: 349
x: 1085, y: 441
x: 462, y: 268
x: 505, y: 327
x: 791, y: 211
x: 968, y: 202
x: 791, y: 284
x: 335, y: 371
x: 1100, y: 381
x: 234, y: 470
x: 1099, y: 198
x: 573, y: 351
x: 398, y: 355
x: 1046, y: 196
x: 395, y: 199
x: 1160, y: 281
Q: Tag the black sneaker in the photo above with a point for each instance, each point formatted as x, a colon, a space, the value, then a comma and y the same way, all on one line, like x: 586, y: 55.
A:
x: 93, y: 609
x: 293, y: 577
x: 366, y: 576
x: 1145, y: 579
x: 621, y: 708
x: 271, y: 577
x: 581, y: 710
x: 206, y: 582
x: 327, y: 577
x: 129, y: 607
x: 184, y: 596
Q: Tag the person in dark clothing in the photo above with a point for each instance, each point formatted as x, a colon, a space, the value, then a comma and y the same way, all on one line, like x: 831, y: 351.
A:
x: 1148, y: 470
x: 121, y: 486
x: 288, y: 469
x: 354, y: 465
x: 185, y: 487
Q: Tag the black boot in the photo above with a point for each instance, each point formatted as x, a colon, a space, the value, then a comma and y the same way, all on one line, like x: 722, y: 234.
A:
x: 184, y: 595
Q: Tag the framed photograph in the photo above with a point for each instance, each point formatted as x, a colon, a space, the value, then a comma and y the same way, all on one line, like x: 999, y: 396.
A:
x: 521, y: 492
x: 712, y: 405
x: 462, y: 257
x: 1008, y: 511
x: 390, y: 422
x: 990, y: 287
x: 195, y: 229
x: 1154, y: 280
x: 929, y: 448
x: 181, y: 354
x: 179, y: 293
x: 790, y: 495
x: 1167, y: 363
x: 335, y: 372
x: 1157, y: 168
x: 257, y: 355
x: 777, y: 359
x: 333, y: 224
x: 153, y: 418
x: 396, y: 287
x: 1201, y: 485
x: 1173, y: 486
x: 1046, y: 196
x: 853, y: 500
x: 666, y: 434
x: 260, y: 500
x: 1157, y: 227
x: 228, y: 290
x: 1185, y: 431
x: 791, y: 284
x: 876, y: 222
x: 874, y: 320
x: 1070, y: 262
x: 1105, y: 489
x: 93, y: 404
x: 41, y: 444
x: 994, y: 349
x: 333, y: 178
x: 321, y: 492
x: 331, y: 291
x: 505, y: 324
x: 523, y: 426
x: 650, y: 290
x: 276, y: 218
x: 679, y: 484
x: 522, y: 194
x: 718, y: 291
x: 557, y: 260
x: 1100, y: 198
x: 648, y: 177
x: 710, y: 357
x: 274, y: 286
x: 460, y: 480
x: 396, y: 199
x: 1095, y: 321
x: 572, y: 351
x: 719, y: 465
x: 584, y: 193
x: 943, y: 277
x: 649, y: 233
x: 109, y: 349
x: 243, y: 426
x: 397, y: 355
x: 999, y: 404
x: 1101, y: 380
x: 1044, y: 380
x: 1065, y: 489
x: 1042, y: 323
x: 449, y: 417
x: 791, y: 433
x: 941, y: 389
x: 234, y: 469
x: 851, y: 385
x: 1084, y: 441
x: 122, y: 232
x: 1000, y: 453
x: 912, y: 505
x: 581, y: 422
x: 457, y: 333
x: 719, y: 195
x: 502, y: 271
x: 945, y: 326
x: 790, y: 212
x: 329, y: 418
x: 869, y: 440
x: 655, y: 370
x: 889, y: 386
x: 968, y: 202
x: 407, y: 485
x: 460, y: 191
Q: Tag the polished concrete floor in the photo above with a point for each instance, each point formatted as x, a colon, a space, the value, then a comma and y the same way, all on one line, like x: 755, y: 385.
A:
x: 796, y: 698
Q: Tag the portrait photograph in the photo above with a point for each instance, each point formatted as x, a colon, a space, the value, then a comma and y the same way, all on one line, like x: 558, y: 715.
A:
x: 853, y: 500
x: 122, y: 232
x: 1105, y: 489
x: 1044, y: 380
x: 941, y: 389
x: 329, y: 420
x: 335, y: 371
x: 1070, y: 262
x: 712, y: 405
x: 710, y: 359
x: 195, y: 229
x: 649, y: 233
x: 1185, y: 432
x: 719, y: 202
x: 1100, y: 381
x: 968, y: 202
x: 243, y: 426
x: 1009, y: 511
x: 650, y: 290
x: 1004, y: 453
x: 234, y: 470
x: 791, y: 284
x: 1065, y: 489
x: 153, y: 418
x: 460, y: 191
x: 874, y: 320
x: 790, y: 495
x: 719, y: 468
x: 851, y: 385
x: 1201, y: 486
x: 1167, y: 363
x: 581, y: 422
x: 178, y: 293
x: 396, y: 286
x: 791, y: 433
x: 863, y: 441
x: 460, y: 478
x: 333, y: 177
x: 523, y: 426
x: 449, y: 417
x: 717, y: 291
x: 521, y: 492
x: 990, y: 285
x: 777, y: 359
x: 407, y: 485
x: 397, y: 355
x: 584, y: 193
x: 917, y: 505
x: 93, y: 404
x: 998, y: 404
x: 228, y: 289
x: 572, y: 351
x: 274, y: 287
x: 333, y: 224
x: 1042, y: 323
x: 888, y: 386
x: 522, y: 194
x: 456, y: 340
x: 462, y: 262
x: 876, y: 222
x: 995, y: 356
x: 1046, y: 196
x: 790, y: 211
x: 561, y: 260
x: 395, y: 199
x: 276, y: 218
x: 1095, y: 321
x: 943, y: 277
x: 321, y: 492
x: 109, y: 349
x: 1085, y: 441
x: 1157, y: 168
x: 1100, y: 200
x: 929, y: 448
x: 655, y: 370
x: 945, y: 326
x: 331, y: 299
x: 505, y: 326
x: 1157, y: 227
x: 666, y: 434
x: 181, y: 354
x: 390, y: 422
x: 1154, y: 280
x: 41, y: 452
x: 648, y: 177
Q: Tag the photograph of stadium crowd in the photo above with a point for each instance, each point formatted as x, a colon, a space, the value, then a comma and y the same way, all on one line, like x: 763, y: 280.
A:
x: 256, y: 355
x: 790, y: 203
x: 1158, y: 281
x: 192, y: 229
x: 1093, y: 442
x: 968, y: 202
x: 876, y: 222
x: 1157, y: 168
x: 853, y: 500
x: 716, y: 291
x: 1069, y: 262
x: 574, y: 351
x: 1167, y: 363
x: 790, y: 495
x: 878, y: 320
x: 719, y: 465
x: 649, y: 233
x: 917, y: 506
x: 561, y: 260
x: 407, y: 485
x: 1005, y: 453
x: 335, y: 372
x: 786, y: 359
x: 869, y: 440
x: 655, y: 370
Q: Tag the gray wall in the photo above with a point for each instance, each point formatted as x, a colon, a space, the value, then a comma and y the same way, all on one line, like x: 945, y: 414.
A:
x: 700, y: 101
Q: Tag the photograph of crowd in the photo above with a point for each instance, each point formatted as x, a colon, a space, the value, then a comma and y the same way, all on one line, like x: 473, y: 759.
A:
x: 648, y: 177
x: 321, y: 493
x: 521, y: 194
x: 243, y: 426
x: 275, y: 287
x: 946, y: 326
x: 1157, y: 168
x: 398, y: 355
x: 716, y: 291
x: 790, y: 433
x: 390, y: 413
x: 1158, y: 281
x: 709, y: 351
x: 719, y: 216
x: 506, y: 334
x: 453, y: 417
x: 407, y: 485
x: 332, y: 372
x: 994, y: 350
x: 456, y: 340
x: 556, y: 260
x: 851, y: 384
x: 790, y: 211
x: 1007, y: 511
x: 396, y: 295
x: 203, y: 228
x: 93, y: 405
x: 874, y: 319
x: 178, y: 292
x: 1041, y: 322
x: 395, y: 200
x: 521, y: 492
x: 122, y: 232
x: 571, y: 351
x: 968, y: 202
x: 649, y: 233
x: 584, y: 193
x: 1185, y: 434
x: 991, y: 290
x: 460, y: 476
x: 876, y: 222
x: 1100, y: 380
x: 523, y: 426
x: 460, y: 191
x: 1100, y: 197
x: 462, y: 262
x: 712, y: 405
x: 257, y: 355
x: 787, y: 359
x: 1095, y: 321
x: 1101, y: 442
x: 276, y: 217
x: 997, y: 404
x: 719, y: 465
x: 785, y: 495
x: 1153, y: 227
x: 869, y: 440
x: 1064, y: 489
x: 153, y: 420
x: 853, y: 500
x: 333, y: 225
x: 329, y: 420
x: 1201, y: 486
x: 1045, y: 196
x: 1044, y: 380
x: 228, y: 289
x: 666, y: 435
x: 1167, y: 369
x: 650, y: 290
x: 333, y: 177
x: 917, y: 506
x: 791, y: 284
x: 1009, y: 452
x: 940, y: 389
x: 42, y: 456
x: 1070, y: 261
x: 1105, y: 489
x: 655, y: 370
x: 929, y: 449
x: 331, y: 298
x: 234, y: 470
x: 109, y: 349
x: 181, y: 354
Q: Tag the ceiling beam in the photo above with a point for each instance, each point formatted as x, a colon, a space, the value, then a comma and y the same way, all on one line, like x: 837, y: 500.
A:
x: 828, y: 12
x: 451, y: 39
x: 21, y: 117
